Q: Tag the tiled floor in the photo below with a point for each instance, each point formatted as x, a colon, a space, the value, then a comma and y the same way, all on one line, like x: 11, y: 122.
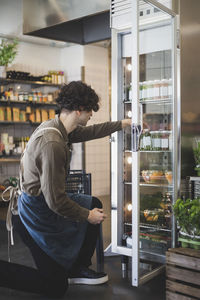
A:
x: 116, y: 289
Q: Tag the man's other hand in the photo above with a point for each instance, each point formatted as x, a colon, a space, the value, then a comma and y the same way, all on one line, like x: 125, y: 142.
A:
x: 96, y: 216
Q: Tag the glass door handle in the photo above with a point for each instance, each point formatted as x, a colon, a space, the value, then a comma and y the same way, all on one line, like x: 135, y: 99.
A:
x: 136, y: 132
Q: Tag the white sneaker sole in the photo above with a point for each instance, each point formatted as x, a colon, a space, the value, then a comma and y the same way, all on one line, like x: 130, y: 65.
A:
x: 88, y: 281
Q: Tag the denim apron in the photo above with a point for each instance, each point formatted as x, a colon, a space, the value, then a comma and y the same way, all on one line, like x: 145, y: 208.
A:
x: 59, y: 237
x: 56, y: 235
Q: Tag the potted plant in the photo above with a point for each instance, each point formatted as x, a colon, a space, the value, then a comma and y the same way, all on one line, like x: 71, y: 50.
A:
x: 8, y: 51
x: 187, y: 213
x: 196, y: 152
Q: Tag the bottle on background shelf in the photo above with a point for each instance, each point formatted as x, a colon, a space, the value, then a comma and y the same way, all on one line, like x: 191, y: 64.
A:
x: 164, y: 140
x: 156, y: 140
x: 146, y: 140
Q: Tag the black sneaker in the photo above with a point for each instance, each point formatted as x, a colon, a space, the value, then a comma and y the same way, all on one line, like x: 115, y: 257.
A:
x: 87, y: 276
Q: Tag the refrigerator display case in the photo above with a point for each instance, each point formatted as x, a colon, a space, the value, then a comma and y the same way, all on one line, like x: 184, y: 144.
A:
x: 145, y: 162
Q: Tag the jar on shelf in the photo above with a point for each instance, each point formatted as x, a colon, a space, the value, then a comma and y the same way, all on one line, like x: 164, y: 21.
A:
x: 164, y: 89
x: 164, y: 140
x: 141, y: 142
x: 30, y: 97
x: 156, y: 140
x: 20, y: 97
x: 144, y: 90
x: 35, y: 97
x: 141, y: 91
x: 170, y: 141
x: 146, y: 140
x: 25, y: 96
x: 150, y: 90
x: 156, y: 85
x: 170, y: 91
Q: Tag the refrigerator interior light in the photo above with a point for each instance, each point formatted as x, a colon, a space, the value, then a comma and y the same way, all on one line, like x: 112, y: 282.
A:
x: 129, y: 67
x: 129, y: 114
x: 129, y: 207
x: 129, y: 160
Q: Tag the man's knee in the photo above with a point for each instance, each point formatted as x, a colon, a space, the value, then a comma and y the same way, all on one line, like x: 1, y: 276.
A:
x: 96, y: 203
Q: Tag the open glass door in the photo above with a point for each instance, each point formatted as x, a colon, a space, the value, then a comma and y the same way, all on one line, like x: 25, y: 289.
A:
x: 144, y: 182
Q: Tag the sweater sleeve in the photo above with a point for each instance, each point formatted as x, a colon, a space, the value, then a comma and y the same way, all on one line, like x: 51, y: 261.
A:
x: 86, y: 133
x: 51, y: 165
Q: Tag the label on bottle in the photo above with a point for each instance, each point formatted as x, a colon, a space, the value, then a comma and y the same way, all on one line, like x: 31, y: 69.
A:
x: 144, y: 92
x: 151, y: 92
x: 164, y: 143
x: 156, y: 92
x: 146, y: 141
x: 156, y: 142
x: 170, y: 142
x: 170, y: 90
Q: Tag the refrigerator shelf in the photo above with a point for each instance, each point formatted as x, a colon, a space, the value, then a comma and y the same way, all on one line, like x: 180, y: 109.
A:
x: 149, y: 151
x: 151, y: 184
x: 156, y: 185
x: 127, y: 102
x: 154, y: 151
x: 150, y: 226
x: 156, y: 101
x: 155, y: 227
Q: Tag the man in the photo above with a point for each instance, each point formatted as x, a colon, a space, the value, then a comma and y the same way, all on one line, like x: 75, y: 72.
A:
x: 60, y: 229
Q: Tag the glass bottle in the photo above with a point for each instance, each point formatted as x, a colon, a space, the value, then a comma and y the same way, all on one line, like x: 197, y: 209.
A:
x: 144, y: 91
x: 146, y: 140
x: 170, y: 141
x: 156, y: 89
x: 141, y: 141
x: 156, y: 142
x: 164, y: 140
x: 141, y: 91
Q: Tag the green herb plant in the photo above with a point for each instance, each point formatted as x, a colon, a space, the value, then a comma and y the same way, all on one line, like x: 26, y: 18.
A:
x: 187, y: 213
x: 8, y: 51
x: 197, y: 154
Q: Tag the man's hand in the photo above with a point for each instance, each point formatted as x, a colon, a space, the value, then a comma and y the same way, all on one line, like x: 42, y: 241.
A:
x: 96, y: 216
x: 126, y: 123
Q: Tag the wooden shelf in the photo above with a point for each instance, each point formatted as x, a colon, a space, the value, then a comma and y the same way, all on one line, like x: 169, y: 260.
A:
x: 19, y: 123
x: 2, y: 101
x: 9, y: 160
x: 37, y: 83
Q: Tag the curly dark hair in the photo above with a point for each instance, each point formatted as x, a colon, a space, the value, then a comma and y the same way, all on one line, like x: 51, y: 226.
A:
x: 77, y: 96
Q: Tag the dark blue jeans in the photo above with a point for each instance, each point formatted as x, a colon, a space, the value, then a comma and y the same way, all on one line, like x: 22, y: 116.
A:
x: 49, y: 278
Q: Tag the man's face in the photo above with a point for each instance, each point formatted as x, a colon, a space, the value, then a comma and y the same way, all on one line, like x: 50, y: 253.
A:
x: 84, y: 117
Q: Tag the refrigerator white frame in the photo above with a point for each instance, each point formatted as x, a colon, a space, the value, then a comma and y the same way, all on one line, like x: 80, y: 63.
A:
x: 116, y: 145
